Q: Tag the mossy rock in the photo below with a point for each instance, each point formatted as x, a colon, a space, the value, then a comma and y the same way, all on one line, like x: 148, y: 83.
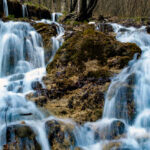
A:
x: 47, y: 32
x: 20, y: 137
x: 60, y: 135
x: 112, y: 145
x: 90, y: 45
x: 81, y: 72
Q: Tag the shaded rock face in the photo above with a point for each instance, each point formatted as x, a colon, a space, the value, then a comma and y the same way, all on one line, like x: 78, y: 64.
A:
x: 15, y: 8
x: 112, y: 131
x: 60, y: 135
x: 21, y: 137
x: 148, y: 29
x: 106, y: 28
x: 38, y: 12
x: 117, y: 129
x: 80, y: 74
x: 47, y: 32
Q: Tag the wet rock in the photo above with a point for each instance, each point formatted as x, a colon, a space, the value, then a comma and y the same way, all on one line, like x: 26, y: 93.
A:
x: 60, y: 135
x: 20, y: 137
x: 117, y: 128
x: 40, y: 100
x: 104, y: 27
x: 125, y: 105
x: 123, y: 30
x: 15, y: 9
x: 16, y: 77
x: 111, y: 130
x: 148, y: 29
x: 112, y: 145
x: 78, y: 148
x: 47, y: 32
x: 131, y: 80
x: 36, y: 85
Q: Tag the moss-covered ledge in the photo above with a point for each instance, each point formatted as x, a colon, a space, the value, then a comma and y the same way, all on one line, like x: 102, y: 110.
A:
x: 80, y: 74
x: 15, y: 9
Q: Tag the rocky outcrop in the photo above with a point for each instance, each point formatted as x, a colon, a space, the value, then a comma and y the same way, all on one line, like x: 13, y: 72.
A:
x: 15, y: 9
x: 1, y: 8
x: 80, y: 74
x: 148, y: 29
x: 60, y: 135
x: 21, y: 136
x: 47, y: 31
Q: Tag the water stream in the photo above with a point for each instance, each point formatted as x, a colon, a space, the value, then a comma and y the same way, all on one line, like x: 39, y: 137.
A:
x: 58, y: 40
x: 24, y: 11
x: 5, y: 7
x: 130, y: 87
x: 22, y: 65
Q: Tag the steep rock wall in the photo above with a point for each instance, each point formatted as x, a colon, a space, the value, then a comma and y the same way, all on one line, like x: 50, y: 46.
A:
x: 15, y: 8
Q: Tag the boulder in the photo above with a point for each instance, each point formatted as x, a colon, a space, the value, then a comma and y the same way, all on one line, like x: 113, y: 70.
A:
x: 80, y: 74
x: 148, y: 29
x: 21, y: 136
x: 60, y: 135
x: 47, y: 31
x: 106, y: 28
x: 36, y: 85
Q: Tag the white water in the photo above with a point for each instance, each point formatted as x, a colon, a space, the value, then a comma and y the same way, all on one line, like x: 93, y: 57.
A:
x: 21, y: 63
x: 58, y: 40
x: 5, y: 7
x: 137, y: 131
x: 24, y: 11
x: 55, y: 16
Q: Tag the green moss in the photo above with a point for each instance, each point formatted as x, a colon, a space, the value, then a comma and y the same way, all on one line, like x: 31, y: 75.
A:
x: 11, y: 17
x: 36, y: 5
x: 93, y: 45
x: 76, y: 23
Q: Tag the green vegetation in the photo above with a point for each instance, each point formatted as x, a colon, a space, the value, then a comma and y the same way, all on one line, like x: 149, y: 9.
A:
x: 11, y: 17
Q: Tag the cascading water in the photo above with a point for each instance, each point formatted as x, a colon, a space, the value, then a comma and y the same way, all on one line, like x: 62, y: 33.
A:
x: 55, y: 16
x: 129, y: 88
x: 21, y: 63
x: 5, y: 7
x: 58, y: 40
x: 24, y: 11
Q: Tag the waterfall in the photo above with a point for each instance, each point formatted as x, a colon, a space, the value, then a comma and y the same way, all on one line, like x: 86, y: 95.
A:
x: 5, y: 7
x: 58, y: 40
x: 55, y: 16
x: 21, y: 64
x: 24, y: 11
x: 129, y: 88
